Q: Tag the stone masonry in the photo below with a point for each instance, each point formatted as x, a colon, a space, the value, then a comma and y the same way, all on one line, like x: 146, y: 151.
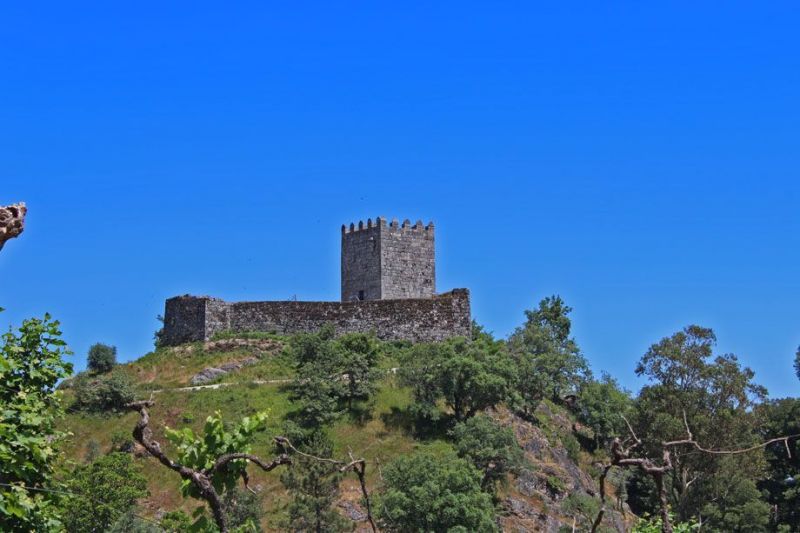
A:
x: 385, y: 261
x: 388, y: 287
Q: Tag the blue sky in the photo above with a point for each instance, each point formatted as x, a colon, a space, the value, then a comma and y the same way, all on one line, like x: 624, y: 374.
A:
x: 640, y: 160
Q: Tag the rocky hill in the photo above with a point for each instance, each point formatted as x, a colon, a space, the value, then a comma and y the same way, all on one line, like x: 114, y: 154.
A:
x: 238, y: 376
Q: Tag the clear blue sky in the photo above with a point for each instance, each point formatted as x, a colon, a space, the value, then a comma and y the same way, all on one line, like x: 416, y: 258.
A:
x: 641, y: 160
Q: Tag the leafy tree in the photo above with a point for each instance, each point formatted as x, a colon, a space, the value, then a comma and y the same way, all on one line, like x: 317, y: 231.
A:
x: 549, y: 362
x: 100, y: 394
x: 314, y: 487
x: 467, y: 376
x: 734, y: 503
x: 101, y: 358
x: 716, y: 396
x: 31, y: 363
x: 493, y: 449
x: 359, y: 356
x: 428, y: 492
x: 601, y: 402
x: 102, y: 492
x: 797, y: 363
x: 782, y: 482
x: 333, y: 374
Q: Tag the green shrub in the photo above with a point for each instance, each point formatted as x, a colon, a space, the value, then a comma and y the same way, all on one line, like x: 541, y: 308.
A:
x: 101, y: 492
x: 429, y: 492
x: 102, y: 393
x: 101, y: 358
x: 493, y: 449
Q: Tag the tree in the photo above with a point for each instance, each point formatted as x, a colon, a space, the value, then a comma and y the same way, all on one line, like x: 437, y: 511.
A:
x: 332, y: 375
x: 712, y: 394
x: 468, y: 376
x: 314, y: 487
x: 797, y: 363
x: 741, y: 512
x: 601, y: 402
x: 782, y: 482
x: 101, y: 394
x: 101, y: 358
x: 102, y: 492
x: 493, y: 449
x: 549, y: 362
x: 428, y: 492
x: 31, y: 363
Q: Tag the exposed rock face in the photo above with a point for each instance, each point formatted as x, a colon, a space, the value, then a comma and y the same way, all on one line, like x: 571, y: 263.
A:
x: 535, y: 501
x: 212, y: 373
x: 12, y: 221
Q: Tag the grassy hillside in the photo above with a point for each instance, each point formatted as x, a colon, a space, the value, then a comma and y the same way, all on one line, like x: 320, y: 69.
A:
x: 532, y: 501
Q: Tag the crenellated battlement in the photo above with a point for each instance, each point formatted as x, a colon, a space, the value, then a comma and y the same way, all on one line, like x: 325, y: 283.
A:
x: 381, y: 222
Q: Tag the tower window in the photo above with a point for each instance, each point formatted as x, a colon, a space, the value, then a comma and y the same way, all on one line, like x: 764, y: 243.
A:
x: 361, y: 295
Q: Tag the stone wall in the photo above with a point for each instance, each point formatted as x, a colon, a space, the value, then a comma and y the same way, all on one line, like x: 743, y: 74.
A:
x: 192, y: 318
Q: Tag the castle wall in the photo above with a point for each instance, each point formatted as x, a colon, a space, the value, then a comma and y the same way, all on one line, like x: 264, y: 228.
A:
x: 414, y: 319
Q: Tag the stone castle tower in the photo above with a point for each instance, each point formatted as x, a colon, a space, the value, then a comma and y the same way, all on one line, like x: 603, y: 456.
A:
x: 383, y: 261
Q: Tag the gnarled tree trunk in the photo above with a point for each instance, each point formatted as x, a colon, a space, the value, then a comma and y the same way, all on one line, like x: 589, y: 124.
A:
x: 12, y: 221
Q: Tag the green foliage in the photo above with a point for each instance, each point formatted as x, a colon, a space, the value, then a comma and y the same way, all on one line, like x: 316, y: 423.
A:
x: 654, y: 525
x: 797, y: 363
x: 583, y: 508
x: 556, y: 484
x: 100, y: 394
x: 102, y: 491
x: 131, y: 523
x: 101, y: 358
x: 493, y: 449
x: 333, y: 375
x: 467, y: 376
x: 176, y: 522
x: 122, y: 441
x: 243, y: 510
x: 717, y: 395
x: 31, y: 363
x: 735, y: 508
x: 782, y: 482
x: 428, y: 492
x: 201, y: 451
x: 602, y: 404
x: 314, y: 487
x: 549, y: 362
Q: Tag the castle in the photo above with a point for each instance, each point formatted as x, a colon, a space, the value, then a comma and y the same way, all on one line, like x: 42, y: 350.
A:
x: 388, y: 287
